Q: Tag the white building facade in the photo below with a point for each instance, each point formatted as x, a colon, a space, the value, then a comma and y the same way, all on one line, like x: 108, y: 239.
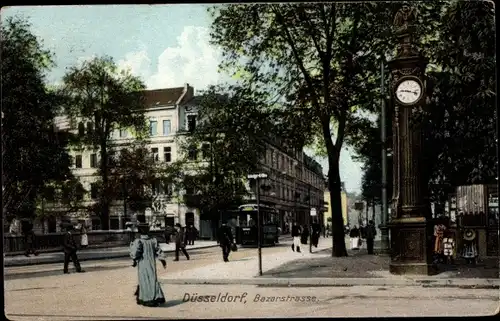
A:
x: 297, y: 181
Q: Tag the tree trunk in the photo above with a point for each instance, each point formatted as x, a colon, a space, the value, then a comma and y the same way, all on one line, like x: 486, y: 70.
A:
x: 334, y: 185
x: 373, y: 210
x: 366, y: 211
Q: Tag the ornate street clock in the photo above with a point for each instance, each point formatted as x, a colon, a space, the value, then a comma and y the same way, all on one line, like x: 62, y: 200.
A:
x: 410, y: 227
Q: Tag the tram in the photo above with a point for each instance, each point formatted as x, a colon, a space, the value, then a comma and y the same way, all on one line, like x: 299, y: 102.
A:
x: 243, y: 222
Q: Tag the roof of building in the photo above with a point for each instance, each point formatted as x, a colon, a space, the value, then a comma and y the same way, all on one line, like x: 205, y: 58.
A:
x: 162, y: 97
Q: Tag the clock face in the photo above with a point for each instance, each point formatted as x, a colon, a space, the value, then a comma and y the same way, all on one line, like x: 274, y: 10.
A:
x: 408, y: 91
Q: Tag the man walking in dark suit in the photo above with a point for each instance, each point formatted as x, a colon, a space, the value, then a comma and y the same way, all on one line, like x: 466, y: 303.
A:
x: 370, y: 233
x: 70, y: 248
x: 180, y: 241
x: 225, y: 240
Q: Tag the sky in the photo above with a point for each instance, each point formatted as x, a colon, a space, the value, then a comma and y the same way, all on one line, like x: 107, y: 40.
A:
x: 166, y: 45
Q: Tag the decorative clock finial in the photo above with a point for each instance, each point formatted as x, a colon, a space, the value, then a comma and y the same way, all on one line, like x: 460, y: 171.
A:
x: 404, y: 18
x: 404, y: 24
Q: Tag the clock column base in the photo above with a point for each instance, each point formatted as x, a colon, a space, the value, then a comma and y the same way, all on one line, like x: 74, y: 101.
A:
x: 411, y: 247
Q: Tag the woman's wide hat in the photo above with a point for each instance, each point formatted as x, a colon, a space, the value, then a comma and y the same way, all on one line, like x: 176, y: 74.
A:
x: 469, y: 235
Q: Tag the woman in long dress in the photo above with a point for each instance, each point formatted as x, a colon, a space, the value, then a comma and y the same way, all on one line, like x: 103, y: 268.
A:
x: 144, y: 251
x: 355, y: 240
x: 84, y: 241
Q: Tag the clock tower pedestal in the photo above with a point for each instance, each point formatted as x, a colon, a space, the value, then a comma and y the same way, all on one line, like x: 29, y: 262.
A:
x: 410, y: 228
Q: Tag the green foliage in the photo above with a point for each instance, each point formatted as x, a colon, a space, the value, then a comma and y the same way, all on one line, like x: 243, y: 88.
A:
x: 106, y: 99
x: 61, y: 198
x: 320, y: 58
x: 33, y: 154
x: 100, y: 96
x: 459, y: 122
x: 133, y: 174
x: 233, y: 125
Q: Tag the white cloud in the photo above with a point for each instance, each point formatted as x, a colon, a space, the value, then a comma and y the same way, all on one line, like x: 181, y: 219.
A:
x: 137, y: 62
x: 193, y: 60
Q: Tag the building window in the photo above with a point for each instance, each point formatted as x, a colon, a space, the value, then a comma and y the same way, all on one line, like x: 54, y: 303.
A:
x: 191, y: 122
x: 79, y: 193
x: 205, y: 151
x: 192, y: 153
x: 167, y: 188
x: 154, y: 152
x: 156, y: 187
x: 78, y: 161
x: 114, y: 224
x: 81, y: 129
x: 93, y: 160
x: 96, y: 224
x: 166, y: 127
x: 123, y: 133
x: 153, y: 128
x: 167, y: 153
x: 90, y: 128
x: 111, y: 158
x: 93, y: 190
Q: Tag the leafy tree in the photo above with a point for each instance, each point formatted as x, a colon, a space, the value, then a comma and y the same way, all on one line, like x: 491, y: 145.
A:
x: 322, y: 59
x: 136, y: 177
x: 100, y: 96
x: 61, y: 198
x: 231, y: 132
x: 33, y: 153
x: 460, y: 119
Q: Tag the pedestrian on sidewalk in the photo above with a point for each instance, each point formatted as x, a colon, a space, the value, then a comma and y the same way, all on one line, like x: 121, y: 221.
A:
x: 30, y: 240
x: 370, y: 233
x: 305, y: 234
x: 226, y: 239
x: 449, y: 246
x: 84, y: 239
x: 70, y: 248
x: 355, y: 240
x: 180, y: 241
x: 316, y: 230
x: 191, y: 234
x: 438, y: 241
x: 296, y: 232
x: 144, y: 250
x: 169, y: 230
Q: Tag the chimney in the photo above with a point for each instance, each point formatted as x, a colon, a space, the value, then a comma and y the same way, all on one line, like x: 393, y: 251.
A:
x: 189, y: 92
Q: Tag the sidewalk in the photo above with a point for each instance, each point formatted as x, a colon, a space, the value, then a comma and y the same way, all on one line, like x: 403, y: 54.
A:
x: 246, y: 268
x: 320, y: 269
x: 92, y: 254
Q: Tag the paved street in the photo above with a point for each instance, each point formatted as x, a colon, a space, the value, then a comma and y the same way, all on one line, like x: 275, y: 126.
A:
x: 199, y: 258
x: 109, y: 297
x: 105, y: 292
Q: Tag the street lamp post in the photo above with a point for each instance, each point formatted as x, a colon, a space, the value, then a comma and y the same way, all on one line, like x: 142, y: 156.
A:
x: 310, y: 220
x: 384, y: 233
x: 257, y: 178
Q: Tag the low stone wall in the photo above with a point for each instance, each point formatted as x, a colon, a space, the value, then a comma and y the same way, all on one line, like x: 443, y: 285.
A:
x: 52, y: 242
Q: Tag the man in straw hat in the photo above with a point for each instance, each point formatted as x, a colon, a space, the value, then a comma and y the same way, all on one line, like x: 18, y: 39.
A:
x: 144, y: 250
